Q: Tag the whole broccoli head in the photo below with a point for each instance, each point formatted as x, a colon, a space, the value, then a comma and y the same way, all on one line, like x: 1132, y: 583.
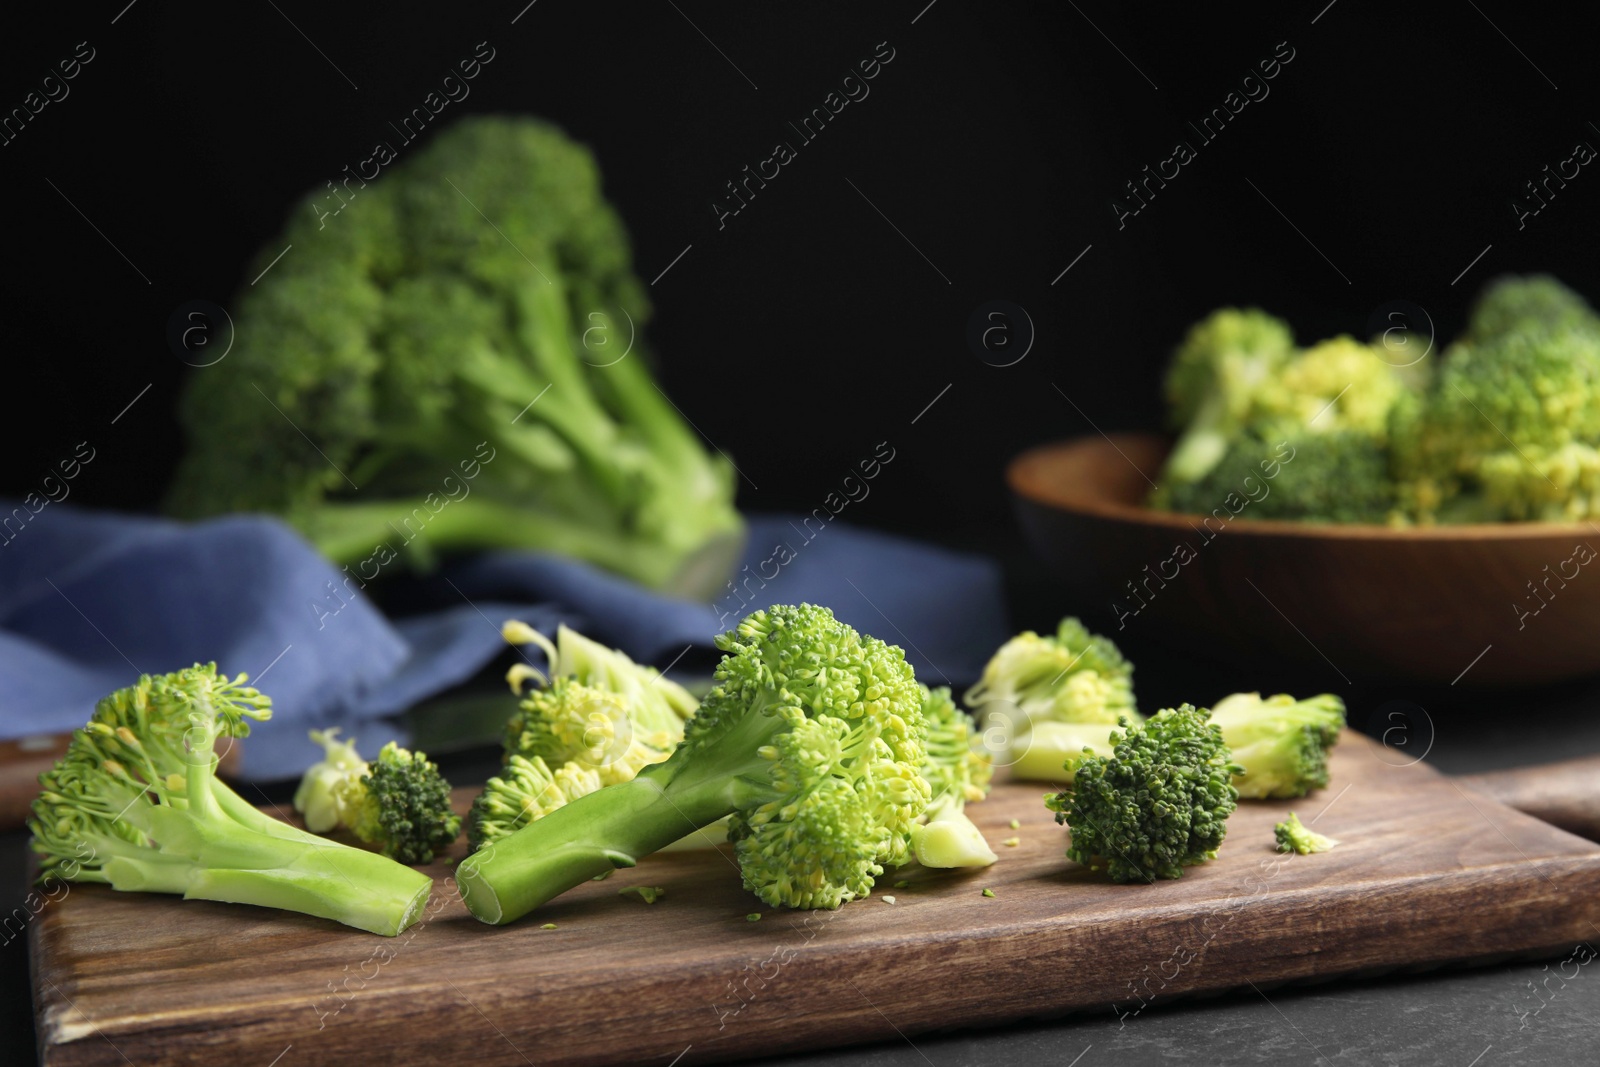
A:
x: 812, y: 740
x: 1158, y: 804
x: 1214, y: 383
x: 135, y: 803
x: 398, y: 802
x: 441, y: 367
x: 1072, y: 675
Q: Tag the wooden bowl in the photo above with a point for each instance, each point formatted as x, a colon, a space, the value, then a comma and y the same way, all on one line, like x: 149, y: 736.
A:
x: 1480, y: 605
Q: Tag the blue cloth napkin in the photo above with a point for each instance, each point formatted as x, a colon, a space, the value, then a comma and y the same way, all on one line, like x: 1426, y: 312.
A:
x: 89, y: 600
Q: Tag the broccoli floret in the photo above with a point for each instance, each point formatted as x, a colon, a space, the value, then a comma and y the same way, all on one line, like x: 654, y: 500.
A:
x: 1282, y: 743
x: 1158, y: 804
x: 598, y: 719
x: 135, y: 803
x: 1071, y: 676
x: 406, y: 348
x: 1510, y: 429
x: 1341, y: 476
x: 1294, y: 836
x: 399, y: 802
x: 957, y: 772
x: 1214, y: 382
x: 812, y: 740
x: 1333, y: 386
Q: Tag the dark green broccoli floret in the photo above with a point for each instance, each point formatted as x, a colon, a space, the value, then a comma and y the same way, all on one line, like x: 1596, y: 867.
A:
x: 1294, y: 836
x: 1159, y: 803
x: 135, y: 803
x: 398, y: 802
x: 812, y: 740
x: 444, y: 366
x: 1341, y: 476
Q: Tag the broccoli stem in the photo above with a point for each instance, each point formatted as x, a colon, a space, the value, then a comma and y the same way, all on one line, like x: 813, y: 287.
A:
x: 591, y: 836
x: 1202, y: 445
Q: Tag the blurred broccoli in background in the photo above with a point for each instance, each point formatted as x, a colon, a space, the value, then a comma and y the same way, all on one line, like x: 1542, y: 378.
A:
x: 1506, y: 428
x: 447, y: 363
x: 1070, y: 676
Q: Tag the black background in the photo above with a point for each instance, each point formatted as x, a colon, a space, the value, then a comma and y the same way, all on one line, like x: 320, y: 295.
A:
x: 807, y: 328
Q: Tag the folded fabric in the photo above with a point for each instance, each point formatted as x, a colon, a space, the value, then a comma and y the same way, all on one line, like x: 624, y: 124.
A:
x: 89, y: 600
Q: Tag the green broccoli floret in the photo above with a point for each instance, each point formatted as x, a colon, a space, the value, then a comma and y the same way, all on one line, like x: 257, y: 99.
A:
x: 812, y: 740
x: 1158, y: 804
x: 1214, y: 383
x: 1510, y: 429
x: 1282, y: 743
x: 399, y: 802
x: 957, y: 772
x: 135, y: 803
x: 1071, y: 676
x: 1341, y: 476
x: 1294, y: 836
x: 456, y: 344
x: 598, y: 719
x: 1334, y: 386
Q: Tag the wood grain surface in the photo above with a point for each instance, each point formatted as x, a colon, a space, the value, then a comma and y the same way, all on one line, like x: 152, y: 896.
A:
x: 1429, y: 872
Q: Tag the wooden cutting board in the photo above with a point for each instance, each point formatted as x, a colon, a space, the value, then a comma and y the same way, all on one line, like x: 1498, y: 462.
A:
x: 1430, y: 871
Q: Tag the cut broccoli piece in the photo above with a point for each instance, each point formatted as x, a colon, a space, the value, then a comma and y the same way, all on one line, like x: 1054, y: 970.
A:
x: 597, y: 720
x: 1282, y: 743
x: 647, y: 893
x: 812, y: 740
x: 1053, y: 751
x: 957, y: 772
x: 405, y: 351
x: 1294, y: 836
x: 135, y: 803
x: 399, y: 802
x: 1160, y: 803
x: 1070, y: 676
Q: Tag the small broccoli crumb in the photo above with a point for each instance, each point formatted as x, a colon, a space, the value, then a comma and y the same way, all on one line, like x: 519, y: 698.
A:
x: 902, y: 884
x: 1016, y: 824
x: 988, y: 892
x: 753, y: 917
x: 449, y: 861
x: 647, y: 893
x: 1294, y: 836
x: 548, y: 926
x: 1012, y: 842
x: 603, y: 875
x: 888, y: 900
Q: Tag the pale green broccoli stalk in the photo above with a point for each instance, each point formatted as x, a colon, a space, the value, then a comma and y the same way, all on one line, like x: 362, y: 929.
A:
x: 1294, y: 836
x: 958, y: 772
x: 598, y: 719
x: 135, y: 803
x: 1282, y: 743
x: 1213, y: 385
x: 1070, y: 676
x: 1052, y: 751
x: 446, y: 367
x: 812, y: 740
x: 1158, y: 804
x: 399, y: 802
